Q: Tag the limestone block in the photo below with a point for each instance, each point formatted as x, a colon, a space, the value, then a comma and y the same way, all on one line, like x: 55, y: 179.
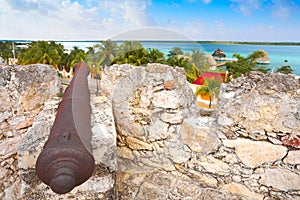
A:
x: 260, y: 102
x: 213, y: 165
x: 293, y: 158
x: 165, y: 99
x: 281, y: 179
x: 137, y: 144
x: 199, y: 134
x: 9, y: 146
x: 158, y: 131
x: 242, y: 190
x: 172, y: 117
x: 255, y: 153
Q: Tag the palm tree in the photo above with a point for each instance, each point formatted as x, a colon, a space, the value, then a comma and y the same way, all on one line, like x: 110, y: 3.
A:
x: 107, y: 52
x: 76, y: 55
x: 175, y: 52
x: 129, y: 46
x: 211, y: 88
x: 155, y: 56
x: 285, y: 69
x: 132, y: 52
x: 200, y: 61
x: 243, y: 65
x: 5, y: 50
x: 138, y: 57
x: 42, y: 52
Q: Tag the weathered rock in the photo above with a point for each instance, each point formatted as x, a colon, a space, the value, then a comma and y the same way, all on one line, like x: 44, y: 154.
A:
x: 199, y: 134
x: 22, y: 96
x: 136, y: 144
x: 281, y: 179
x: 9, y: 147
x: 158, y: 131
x: 255, y: 102
x: 171, y: 152
x: 255, y: 153
x: 293, y: 158
x: 213, y: 165
x: 242, y: 190
x: 24, y: 89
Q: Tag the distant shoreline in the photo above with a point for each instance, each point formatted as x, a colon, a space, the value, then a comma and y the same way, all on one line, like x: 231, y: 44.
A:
x: 172, y: 41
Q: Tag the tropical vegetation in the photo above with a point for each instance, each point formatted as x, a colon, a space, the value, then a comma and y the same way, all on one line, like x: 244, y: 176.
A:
x: 210, y: 88
x: 109, y: 52
x: 243, y: 65
x: 285, y: 69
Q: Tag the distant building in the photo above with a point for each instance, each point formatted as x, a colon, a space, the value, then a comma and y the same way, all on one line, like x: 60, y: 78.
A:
x: 219, y: 55
x: 265, y: 60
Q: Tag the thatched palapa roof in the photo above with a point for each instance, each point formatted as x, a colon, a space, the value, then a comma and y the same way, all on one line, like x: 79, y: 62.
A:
x: 219, y: 53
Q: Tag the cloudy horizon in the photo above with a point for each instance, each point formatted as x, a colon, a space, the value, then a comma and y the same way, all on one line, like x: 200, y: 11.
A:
x: 201, y: 20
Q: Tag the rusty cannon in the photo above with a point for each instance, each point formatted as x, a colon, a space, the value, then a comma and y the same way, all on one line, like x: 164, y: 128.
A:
x: 67, y: 160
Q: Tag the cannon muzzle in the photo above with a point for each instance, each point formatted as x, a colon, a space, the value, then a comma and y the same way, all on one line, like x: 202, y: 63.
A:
x: 67, y: 160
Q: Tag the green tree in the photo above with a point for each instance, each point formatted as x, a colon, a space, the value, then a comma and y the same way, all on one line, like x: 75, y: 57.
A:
x: 132, y: 52
x: 175, y: 52
x: 285, y: 69
x: 211, y: 88
x: 6, y: 50
x: 200, y: 61
x: 129, y: 46
x: 244, y: 65
x: 191, y: 71
x: 156, y: 56
x: 42, y: 52
x: 138, y: 57
x: 76, y: 55
x: 107, y: 51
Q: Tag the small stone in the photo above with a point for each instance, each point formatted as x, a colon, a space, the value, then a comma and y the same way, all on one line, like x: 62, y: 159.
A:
x: 8, y: 134
x: 272, y: 134
x: 242, y: 190
x: 200, y: 137
x: 213, y: 165
x: 137, y: 144
x: 291, y: 140
x: 281, y: 179
x: 274, y: 140
x: 255, y: 153
x: 125, y: 152
x: 264, y: 189
x: 9, y: 146
x: 169, y: 85
x: 166, y: 99
x: 158, y: 131
x: 236, y: 178
x: 173, y: 117
x: 292, y: 158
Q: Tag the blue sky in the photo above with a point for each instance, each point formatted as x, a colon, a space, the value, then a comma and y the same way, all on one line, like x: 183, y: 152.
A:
x: 213, y: 20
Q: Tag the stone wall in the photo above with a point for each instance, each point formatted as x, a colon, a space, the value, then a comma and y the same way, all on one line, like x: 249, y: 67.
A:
x: 169, y: 149
x: 23, y: 89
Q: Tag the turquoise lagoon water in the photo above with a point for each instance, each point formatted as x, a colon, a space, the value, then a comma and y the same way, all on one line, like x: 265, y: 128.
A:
x: 277, y: 53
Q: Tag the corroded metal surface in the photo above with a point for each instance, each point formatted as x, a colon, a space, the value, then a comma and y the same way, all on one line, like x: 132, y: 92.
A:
x: 67, y: 160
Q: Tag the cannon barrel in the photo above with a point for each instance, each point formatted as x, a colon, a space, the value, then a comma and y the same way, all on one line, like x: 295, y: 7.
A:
x: 67, y: 160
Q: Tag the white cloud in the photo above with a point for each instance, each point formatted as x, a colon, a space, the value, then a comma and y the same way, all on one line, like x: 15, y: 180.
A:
x: 284, y: 9
x: 246, y: 7
x: 70, y: 20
